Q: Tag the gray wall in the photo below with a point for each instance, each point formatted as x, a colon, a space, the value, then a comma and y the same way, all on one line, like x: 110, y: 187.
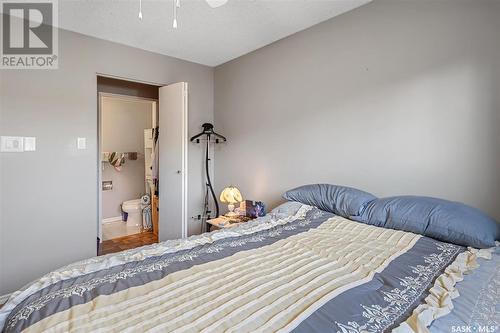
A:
x: 123, y: 122
x: 49, y: 197
x: 395, y: 97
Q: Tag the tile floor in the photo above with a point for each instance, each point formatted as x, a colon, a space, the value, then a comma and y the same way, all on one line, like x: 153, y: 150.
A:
x: 115, y: 229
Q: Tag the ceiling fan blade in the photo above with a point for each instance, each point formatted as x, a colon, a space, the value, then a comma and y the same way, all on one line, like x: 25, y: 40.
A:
x: 216, y: 3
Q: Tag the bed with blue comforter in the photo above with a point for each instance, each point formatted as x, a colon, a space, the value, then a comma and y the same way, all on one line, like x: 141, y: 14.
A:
x: 299, y: 268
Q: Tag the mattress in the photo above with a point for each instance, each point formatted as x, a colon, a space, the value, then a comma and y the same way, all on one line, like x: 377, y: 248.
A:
x: 297, y: 269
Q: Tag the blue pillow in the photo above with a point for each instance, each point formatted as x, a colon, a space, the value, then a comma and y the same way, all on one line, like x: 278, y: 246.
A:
x: 340, y: 200
x: 452, y: 222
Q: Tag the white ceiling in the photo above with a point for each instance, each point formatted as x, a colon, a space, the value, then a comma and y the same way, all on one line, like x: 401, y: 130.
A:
x: 209, y: 36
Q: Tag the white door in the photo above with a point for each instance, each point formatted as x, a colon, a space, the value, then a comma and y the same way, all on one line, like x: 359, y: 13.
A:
x: 173, y: 145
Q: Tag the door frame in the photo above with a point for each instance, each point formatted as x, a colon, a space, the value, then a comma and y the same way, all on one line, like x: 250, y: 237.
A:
x: 100, y: 95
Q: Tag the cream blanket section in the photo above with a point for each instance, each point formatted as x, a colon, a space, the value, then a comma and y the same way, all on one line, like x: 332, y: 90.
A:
x: 271, y: 288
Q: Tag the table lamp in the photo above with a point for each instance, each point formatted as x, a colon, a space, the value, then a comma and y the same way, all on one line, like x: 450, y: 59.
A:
x: 230, y: 195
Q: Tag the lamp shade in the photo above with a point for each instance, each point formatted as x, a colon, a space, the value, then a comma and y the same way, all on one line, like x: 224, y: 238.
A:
x: 231, y: 195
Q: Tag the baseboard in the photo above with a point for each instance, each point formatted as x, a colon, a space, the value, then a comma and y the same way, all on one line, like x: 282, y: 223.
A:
x: 112, y: 219
x: 4, y: 298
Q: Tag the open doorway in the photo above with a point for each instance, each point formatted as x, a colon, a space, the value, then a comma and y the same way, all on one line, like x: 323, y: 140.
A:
x: 129, y: 172
x: 143, y: 170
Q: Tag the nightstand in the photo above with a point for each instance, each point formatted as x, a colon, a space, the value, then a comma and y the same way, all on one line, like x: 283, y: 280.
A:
x: 223, y: 222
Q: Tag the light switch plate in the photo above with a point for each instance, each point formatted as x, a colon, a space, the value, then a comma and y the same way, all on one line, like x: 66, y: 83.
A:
x: 81, y: 143
x: 11, y: 144
x: 30, y: 143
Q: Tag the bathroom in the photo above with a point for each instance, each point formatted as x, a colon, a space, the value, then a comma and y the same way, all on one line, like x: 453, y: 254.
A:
x: 128, y: 128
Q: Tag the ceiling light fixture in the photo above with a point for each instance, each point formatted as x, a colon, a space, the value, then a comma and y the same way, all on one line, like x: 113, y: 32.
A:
x: 177, y: 4
x: 174, y: 24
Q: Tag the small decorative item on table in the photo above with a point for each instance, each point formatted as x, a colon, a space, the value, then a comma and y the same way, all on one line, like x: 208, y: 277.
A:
x: 252, y: 208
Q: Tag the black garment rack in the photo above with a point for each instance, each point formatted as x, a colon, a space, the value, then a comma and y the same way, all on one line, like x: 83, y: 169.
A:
x: 210, y: 136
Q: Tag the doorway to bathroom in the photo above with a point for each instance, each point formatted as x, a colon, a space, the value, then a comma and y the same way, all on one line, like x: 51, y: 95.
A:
x: 136, y: 159
x: 129, y: 171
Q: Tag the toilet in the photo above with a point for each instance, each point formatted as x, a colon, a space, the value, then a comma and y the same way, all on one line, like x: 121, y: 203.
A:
x: 134, y: 210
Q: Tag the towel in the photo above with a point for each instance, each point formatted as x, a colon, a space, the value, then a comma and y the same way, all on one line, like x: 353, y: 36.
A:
x: 116, y: 160
x: 146, y: 218
x: 156, y: 162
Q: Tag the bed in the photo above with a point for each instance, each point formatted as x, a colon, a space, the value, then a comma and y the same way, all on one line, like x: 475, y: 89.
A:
x: 299, y: 268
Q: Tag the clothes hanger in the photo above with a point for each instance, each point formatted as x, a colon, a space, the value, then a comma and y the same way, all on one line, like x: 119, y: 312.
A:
x: 208, y: 130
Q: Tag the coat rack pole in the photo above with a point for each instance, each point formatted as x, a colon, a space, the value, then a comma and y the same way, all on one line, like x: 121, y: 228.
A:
x: 208, y: 131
